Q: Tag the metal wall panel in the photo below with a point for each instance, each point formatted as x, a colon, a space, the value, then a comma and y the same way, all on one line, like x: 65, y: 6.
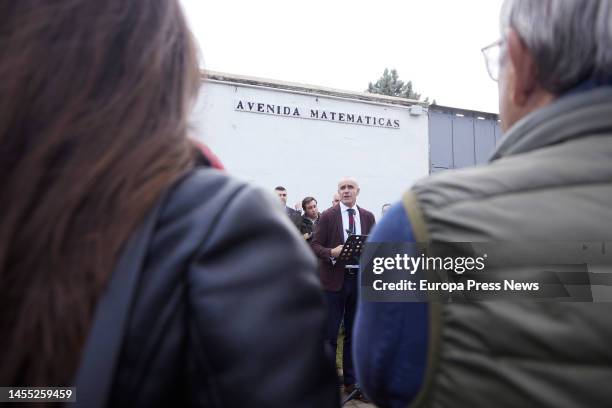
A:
x: 498, y: 132
x: 441, y: 141
x: 463, y: 142
x: 484, y: 135
x: 460, y: 138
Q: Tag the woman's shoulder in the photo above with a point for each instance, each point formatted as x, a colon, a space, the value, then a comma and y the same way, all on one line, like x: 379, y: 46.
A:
x: 205, y: 194
x: 202, y: 188
x: 208, y: 207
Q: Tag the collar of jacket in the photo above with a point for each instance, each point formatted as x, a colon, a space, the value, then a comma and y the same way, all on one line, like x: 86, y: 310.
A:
x: 309, y: 221
x: 569, y: 117
x: 589, y: 85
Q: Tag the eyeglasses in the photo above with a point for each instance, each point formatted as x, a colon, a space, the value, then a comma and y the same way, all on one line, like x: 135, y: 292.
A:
x: 493, y: 54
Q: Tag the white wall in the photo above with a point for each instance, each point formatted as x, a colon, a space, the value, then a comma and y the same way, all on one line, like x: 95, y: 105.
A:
x: 306, y: 156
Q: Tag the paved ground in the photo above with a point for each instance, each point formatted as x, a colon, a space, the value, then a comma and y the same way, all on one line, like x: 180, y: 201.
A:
x: 359, y: 404
x: 355, y: 403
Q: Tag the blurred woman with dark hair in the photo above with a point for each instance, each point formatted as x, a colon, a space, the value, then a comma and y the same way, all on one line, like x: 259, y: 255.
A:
x: 126, y: 267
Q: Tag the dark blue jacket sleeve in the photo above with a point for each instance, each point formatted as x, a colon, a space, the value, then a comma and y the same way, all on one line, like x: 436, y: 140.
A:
x: 391, y: 337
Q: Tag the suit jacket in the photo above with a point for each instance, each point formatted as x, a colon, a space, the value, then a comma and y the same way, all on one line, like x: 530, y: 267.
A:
x: 328, y: 235
x: 295, y: 217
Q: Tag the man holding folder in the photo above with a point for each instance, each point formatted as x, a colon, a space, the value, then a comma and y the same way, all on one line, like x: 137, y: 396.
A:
x: 339, y: 280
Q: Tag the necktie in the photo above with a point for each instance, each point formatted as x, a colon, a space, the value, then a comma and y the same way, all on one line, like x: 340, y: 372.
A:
x: 351, y: 214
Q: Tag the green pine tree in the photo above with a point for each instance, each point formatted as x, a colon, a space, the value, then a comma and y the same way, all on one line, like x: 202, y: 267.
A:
x: 390, y: 84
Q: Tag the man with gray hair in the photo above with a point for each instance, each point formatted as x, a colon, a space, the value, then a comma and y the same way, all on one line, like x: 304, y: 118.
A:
x: 549, y: 180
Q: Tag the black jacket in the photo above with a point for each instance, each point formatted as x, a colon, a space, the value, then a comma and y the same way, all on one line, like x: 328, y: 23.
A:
x: 308, y: 226
x: 227, y: 310
x: 295, y: 216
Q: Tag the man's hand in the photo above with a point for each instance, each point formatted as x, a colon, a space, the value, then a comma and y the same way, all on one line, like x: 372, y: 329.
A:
x: 307, y: 235
x: 336, y: 251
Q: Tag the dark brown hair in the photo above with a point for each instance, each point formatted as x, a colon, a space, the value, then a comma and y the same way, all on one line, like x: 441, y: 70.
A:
x: 307, y: 201
x: 94, y: 99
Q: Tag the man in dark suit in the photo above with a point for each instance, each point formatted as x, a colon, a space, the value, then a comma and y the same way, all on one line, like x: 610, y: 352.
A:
x: 294, y: 215
x: 338, y: 279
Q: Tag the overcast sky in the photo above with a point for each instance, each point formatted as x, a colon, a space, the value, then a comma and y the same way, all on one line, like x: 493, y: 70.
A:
x: 346, y: 44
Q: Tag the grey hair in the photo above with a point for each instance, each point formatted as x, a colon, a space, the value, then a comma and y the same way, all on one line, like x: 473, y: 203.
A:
x: 570, y: 40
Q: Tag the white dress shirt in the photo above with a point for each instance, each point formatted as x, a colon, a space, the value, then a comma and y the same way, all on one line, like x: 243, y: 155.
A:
x: 345, y: 220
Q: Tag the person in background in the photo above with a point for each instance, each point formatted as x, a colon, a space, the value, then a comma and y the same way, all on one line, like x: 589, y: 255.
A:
x: 294, y: 215
x: 310, y: 219
x: 298, y: 207
x: 335, y: 199
x: 549, y: 180
x: 129, y: 268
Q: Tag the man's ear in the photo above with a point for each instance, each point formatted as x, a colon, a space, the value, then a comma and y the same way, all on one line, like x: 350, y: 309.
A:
x: 523, y: 68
